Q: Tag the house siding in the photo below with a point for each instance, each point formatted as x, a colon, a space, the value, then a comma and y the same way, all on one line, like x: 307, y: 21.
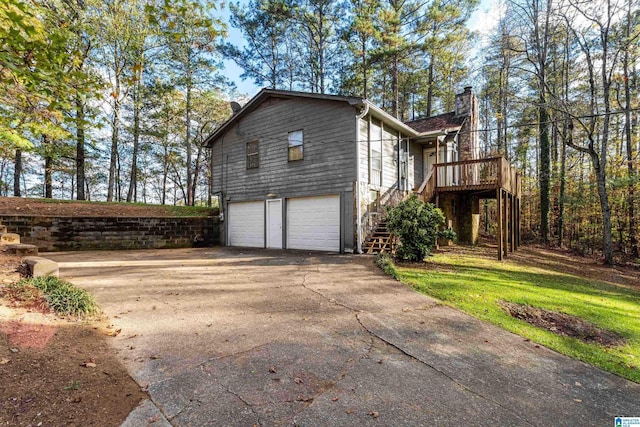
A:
x: 328, y: 166
x: 415, y: 153
x: 388, y: 188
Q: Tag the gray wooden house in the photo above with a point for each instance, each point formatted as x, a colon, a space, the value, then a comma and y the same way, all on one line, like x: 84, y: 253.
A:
x: 311, y: 171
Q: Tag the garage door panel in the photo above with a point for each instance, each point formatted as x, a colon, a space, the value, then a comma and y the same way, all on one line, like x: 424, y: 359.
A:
x: 314, y: 223
x: 246, y: 224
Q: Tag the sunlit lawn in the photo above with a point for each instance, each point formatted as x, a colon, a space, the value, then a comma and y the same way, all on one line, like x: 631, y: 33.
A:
x: 476, y: 284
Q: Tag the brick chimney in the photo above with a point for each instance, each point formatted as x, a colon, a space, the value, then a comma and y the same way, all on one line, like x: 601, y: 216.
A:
x: 467, y: 109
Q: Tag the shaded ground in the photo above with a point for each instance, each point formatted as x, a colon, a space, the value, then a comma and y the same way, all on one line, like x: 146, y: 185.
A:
x: 28, y: 206
x: 558, y: 260
x: 55, y: 371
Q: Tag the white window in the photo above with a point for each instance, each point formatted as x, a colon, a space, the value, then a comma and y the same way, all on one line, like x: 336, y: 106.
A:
x: 376, y: 154
x: 296, y: 145
x: 403, y: 165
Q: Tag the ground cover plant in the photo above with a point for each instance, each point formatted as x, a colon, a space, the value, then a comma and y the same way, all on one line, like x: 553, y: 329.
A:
x: 62, y: 297
x: 541, y: 303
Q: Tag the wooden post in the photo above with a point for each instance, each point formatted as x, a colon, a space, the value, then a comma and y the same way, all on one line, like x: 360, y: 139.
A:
x: 512, y: 228
x: 499, y: 227
x: 505, y: 224
x: 518, y: 214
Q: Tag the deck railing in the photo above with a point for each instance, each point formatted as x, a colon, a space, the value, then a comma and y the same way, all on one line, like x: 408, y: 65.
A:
x: 479, y: 174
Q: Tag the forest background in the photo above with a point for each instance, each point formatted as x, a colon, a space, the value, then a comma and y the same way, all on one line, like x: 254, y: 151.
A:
x: 111, y: 100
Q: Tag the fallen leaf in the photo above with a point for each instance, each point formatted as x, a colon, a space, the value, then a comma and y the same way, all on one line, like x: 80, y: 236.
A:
x: 374, y: 414
x: 114, y: 333
x: 349, y: 411
x: 335, y: 399
x: 153, y: 419
x: 4, y: 361
x: 154, y: 356
x: 298, y: 380
x: 77, y: 399
x: 273, y: 370
x: 14, y: 350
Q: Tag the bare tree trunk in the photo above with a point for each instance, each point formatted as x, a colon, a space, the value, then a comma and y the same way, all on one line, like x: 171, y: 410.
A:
x: 188, y: 199
x: 165, y: 172
x: 631, y: 173
x: 80, y: 151
x: 17, y: 171
x: 48, y: 170
x: 115, y: 124
x: 133, y: 179
x: 196, y: 173
x: 430, y: 88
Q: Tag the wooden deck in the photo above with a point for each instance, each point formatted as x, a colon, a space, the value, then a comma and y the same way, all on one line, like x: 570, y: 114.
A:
x: 481, y: 175
x: 490, y: 178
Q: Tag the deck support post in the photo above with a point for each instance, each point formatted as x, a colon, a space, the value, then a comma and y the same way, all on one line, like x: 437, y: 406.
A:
x: 499, y: 228
x: 505, y: 224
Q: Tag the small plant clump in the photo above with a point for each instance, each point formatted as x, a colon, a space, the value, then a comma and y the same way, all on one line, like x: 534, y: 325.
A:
x: 385, y: 262
x: 62, y: 297
x: 417, y: 224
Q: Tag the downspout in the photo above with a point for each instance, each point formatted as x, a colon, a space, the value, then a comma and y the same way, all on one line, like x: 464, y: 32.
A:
x: 364, y: 112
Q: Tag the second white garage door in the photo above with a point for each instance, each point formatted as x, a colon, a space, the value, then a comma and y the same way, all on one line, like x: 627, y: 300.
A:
x: 314, y: 223
x: 246, y: 224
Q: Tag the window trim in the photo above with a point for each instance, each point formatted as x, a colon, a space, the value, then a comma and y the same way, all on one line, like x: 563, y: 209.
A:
x: 294, y: 144
x: 251, y: 155
x: 375, y: 175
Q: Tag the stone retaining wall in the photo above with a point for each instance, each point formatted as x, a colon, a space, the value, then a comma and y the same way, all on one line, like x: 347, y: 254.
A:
x: 110, y: 233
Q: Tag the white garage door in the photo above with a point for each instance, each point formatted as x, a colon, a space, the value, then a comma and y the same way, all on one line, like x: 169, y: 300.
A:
x: 314, y: 223
x: 245, y: 222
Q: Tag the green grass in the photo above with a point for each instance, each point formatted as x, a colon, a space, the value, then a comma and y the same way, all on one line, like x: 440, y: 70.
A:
x: 476, y: 284
x: 62, y: 297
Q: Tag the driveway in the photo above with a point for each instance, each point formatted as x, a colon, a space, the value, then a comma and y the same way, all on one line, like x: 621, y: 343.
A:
x: 229, y: 337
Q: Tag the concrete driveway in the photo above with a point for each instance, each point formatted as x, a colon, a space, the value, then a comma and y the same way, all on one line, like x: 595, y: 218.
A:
x: 228, y: 337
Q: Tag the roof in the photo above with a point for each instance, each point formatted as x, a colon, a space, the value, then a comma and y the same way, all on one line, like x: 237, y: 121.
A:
x: 441, y: 122
x: 264, y: 94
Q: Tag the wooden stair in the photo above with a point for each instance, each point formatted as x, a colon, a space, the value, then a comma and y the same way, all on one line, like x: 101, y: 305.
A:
x: 380, y: 240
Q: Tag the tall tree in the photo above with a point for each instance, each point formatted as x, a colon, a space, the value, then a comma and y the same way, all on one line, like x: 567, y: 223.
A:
x: 191, y: 36
x: 265, y: 25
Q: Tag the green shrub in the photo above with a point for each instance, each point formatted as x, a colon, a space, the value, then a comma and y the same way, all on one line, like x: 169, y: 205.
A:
x: 417, y: 225
x: 63, y: 297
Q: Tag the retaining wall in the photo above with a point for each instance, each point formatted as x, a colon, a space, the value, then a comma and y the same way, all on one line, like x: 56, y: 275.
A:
x: 112, y: 233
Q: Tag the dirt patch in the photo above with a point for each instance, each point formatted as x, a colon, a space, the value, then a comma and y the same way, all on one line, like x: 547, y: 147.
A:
x: 57, y: 371
x: 563, y: 324
x: 50, y: 207
x: 559, y: 260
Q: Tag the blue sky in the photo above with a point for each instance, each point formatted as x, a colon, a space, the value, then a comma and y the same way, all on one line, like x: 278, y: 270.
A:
x: 482, y: 21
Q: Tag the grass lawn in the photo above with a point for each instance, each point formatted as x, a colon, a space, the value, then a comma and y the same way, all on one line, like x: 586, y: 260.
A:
x: 475, y: 282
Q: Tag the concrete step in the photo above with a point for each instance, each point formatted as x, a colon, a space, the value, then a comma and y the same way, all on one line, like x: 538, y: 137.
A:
x: 21, y: 249
x: 39, y: 266
x: 9, y: 238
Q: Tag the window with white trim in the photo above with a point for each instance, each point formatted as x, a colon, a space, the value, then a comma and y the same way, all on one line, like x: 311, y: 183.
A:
x: 296, y: 145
